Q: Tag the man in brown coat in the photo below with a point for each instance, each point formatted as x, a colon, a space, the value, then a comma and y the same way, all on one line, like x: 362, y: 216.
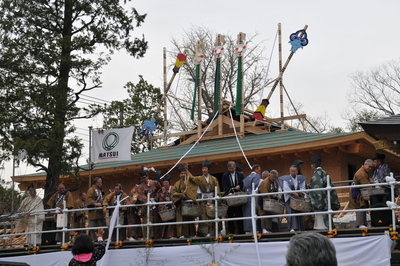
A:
x: 95, y: 199
x: 57, y: 200
x: 111, y: 200
x: 270, y: 184
x: 184, y: 189
x: 361, y: 178
x: 80, y: 217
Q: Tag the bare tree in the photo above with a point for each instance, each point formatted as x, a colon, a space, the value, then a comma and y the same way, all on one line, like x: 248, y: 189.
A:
x: 377, y: 89
x: 317, y: 124
x: 254, y: 69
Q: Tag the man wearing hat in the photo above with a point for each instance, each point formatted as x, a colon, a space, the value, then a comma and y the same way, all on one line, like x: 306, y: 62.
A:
x: 260, y: 111
x: 138, y: 215
x: 381, y: 172
x: 290, y: 183
x: 57, y: 200
x: 207, y: 184
x: 165, y: 194
x: 95, y: 199
x: 253, y: 178
x: 319, y: 199
x: 111, y: 200
x: 184, y: 189
x: 232, y: 181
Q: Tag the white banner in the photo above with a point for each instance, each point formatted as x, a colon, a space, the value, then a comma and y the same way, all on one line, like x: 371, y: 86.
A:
x: 350, y: 251
x: 112, y: 145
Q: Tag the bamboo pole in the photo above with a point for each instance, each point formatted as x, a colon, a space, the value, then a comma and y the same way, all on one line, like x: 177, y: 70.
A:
x: 220, y: 41
x: 240, y: 90
x: 199, y: 94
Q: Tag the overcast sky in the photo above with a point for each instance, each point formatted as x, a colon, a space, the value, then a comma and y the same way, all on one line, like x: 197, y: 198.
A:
x: 345, y: 36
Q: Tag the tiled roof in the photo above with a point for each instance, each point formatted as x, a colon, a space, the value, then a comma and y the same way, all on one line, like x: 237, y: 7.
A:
x: 251, y: 142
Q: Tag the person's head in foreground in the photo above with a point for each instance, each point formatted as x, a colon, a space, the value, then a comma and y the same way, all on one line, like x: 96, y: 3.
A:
x: 311, y: 249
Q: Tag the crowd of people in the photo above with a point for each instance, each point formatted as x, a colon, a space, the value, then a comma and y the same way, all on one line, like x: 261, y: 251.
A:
x: 190, y: 188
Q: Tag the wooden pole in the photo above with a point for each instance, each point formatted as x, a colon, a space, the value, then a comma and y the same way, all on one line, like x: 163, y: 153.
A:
x: 256, y: 91
x: 280, y: 74
x: 282, y: 70
x: 165, y: 95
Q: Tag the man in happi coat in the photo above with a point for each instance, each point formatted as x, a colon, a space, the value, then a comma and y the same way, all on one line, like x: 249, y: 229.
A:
x: 382, y: 170
x: 57, y: 200
x: 269, y: 185
x: 184, y: 189
x: 165, y: 194
x: 207, y: 184
x: 260, y: 111
x: 232, y: 181
x: 80, y: 217
x: 319, y: 199
x: 95, y: 199
x: 28, y: 222
x: 111, y: 200
x: 139, y: 215
x: 361, y: 178
x: 253, y: 178
x: 290, y: 183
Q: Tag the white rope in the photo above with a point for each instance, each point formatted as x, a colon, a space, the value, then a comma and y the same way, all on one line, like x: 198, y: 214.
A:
x: 237, y: 139
x: 190, y: 147
x: 112, y: 224
x: 269, y: 63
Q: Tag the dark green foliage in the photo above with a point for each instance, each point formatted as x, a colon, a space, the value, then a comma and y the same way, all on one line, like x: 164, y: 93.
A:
x: 141, y: 105
x: 6, y: 198
x: 50, y: 53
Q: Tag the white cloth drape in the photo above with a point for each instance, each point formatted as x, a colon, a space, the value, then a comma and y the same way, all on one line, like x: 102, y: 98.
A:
x: 350, y: 251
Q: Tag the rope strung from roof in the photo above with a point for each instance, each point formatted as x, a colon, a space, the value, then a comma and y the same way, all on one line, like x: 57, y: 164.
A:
x: 197, y: 141
x: 237, y: 139
x: 269, y: 63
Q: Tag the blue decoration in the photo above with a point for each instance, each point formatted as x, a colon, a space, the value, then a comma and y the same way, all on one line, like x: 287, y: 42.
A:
x: 298, y: 42
x: 148, y: 127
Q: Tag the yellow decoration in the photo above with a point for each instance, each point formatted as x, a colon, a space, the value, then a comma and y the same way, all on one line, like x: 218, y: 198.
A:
x: 381, y: 144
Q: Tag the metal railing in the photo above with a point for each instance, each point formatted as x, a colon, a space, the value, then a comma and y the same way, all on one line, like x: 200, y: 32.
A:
x: 217, y: 199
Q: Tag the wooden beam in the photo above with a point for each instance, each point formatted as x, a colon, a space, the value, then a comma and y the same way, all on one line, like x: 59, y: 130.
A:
x: 352, y: 148
x: 286, y: 118
x: 330, y: 150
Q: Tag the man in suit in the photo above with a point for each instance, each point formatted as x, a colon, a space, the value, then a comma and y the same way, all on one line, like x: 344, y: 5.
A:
x: 232, y: 181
